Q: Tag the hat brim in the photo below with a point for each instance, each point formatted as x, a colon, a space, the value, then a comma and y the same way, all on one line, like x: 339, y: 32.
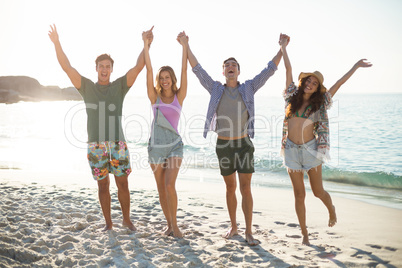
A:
x: 304, y: 75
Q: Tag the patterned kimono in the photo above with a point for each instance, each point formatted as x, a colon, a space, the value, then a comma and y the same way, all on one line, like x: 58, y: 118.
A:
x: 320, y: 119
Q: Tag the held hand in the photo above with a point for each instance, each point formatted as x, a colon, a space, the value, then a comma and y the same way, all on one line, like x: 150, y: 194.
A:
x: 284, y: 40
x: 148, y: 36
x: 53, y: 35
x: 363, y: 63
x: 182, y: 38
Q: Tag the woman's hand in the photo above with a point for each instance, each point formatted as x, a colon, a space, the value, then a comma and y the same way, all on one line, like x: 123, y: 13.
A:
x: 284, y: 40
x: 182, y: 38
x: 53, y: 35
x: 363, y: 63
x: 148, y: 36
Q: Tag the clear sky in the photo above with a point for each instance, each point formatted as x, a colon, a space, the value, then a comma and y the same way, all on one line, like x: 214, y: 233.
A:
x: 329, y: 36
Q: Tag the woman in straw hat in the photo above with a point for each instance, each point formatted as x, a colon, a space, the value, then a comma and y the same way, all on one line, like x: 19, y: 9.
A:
x: 305, y: 141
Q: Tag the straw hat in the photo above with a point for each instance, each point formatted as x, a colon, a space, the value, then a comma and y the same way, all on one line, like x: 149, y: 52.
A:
x: 317, y: 75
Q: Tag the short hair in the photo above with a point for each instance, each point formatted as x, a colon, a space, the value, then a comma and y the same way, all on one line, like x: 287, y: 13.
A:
x: 233, y: 59
x: 104, y: 57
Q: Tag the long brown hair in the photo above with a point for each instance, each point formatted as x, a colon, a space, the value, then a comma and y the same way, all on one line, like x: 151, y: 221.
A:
x: 296, y: 101
x: 158, y: 87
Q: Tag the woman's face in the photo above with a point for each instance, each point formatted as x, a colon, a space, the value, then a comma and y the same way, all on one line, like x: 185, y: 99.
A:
x: 165, y: 80
x: 311, y: 85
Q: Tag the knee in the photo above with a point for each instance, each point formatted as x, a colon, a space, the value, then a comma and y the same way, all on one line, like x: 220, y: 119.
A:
x: 170, y: 186
x: 245, y: 189
x: 231, y: 189
x: 319, y: 193
x: 103, y: 186
x: 300, y: 196
x: 122, y: 185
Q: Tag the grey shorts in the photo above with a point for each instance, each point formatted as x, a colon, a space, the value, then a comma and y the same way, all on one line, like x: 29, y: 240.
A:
x: 164, y: 144
x: 301, y: 157
x: 235, y: 155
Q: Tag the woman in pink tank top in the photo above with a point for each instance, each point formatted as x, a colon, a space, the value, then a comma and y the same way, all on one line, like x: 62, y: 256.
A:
x: 165, y: 148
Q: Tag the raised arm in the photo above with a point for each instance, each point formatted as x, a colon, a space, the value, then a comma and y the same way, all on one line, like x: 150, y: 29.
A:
x: 277, y: 58
x: 72, y: 73
x: 147, y: 37
x: 191, y: 58
x: 181, y: 94
x: 340, y: 82
x: 135, y: 71
x: 283, y: 42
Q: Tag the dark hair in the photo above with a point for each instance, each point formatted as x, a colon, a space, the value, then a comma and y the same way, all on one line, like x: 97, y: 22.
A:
x: 296, y: 101
x: 233, y: 59
x: 103, y: 57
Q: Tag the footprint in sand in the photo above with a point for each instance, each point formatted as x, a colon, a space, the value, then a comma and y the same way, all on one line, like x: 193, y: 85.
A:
x: 294, y: 236
x: 279, y: 223
x: 299, y: 258
x: 292, y: 225
x: 327, y: 255
x: 380, y: 247
x: 374, y: 246
x: 390, y: 249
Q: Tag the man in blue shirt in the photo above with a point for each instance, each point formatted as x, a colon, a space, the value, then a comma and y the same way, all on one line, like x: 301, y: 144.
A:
x: 231, y: 115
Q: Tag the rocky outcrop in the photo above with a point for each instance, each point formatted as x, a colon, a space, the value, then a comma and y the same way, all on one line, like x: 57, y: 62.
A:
x: 23, y: 88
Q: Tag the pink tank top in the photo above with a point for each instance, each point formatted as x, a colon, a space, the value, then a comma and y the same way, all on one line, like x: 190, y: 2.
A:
x: 171, y: 111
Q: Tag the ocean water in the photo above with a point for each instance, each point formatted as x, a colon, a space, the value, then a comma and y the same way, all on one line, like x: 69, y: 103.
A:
x: 366, y: 143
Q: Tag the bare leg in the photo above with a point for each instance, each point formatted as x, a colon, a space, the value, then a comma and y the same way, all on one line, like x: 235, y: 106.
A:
x: 300, y: 195
x: 247, y: 206
x: 172, y: 169
x: 105, y: 200
x: 315, y: 176
x: 159, y: 174
x: 231, y: 202
x: 123, y: 194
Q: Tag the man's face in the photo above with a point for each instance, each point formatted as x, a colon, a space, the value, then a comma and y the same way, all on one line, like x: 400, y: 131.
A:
x: 104, y: 70
x: 231, y: 70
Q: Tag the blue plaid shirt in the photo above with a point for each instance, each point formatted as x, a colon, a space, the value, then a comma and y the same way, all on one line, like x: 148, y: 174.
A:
x: 246, y: 89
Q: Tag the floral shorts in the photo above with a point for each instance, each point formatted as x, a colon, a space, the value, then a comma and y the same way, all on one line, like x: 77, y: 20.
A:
x: 108, y: 157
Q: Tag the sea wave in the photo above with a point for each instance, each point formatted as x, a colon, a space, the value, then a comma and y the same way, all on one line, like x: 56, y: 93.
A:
x: 372, y: 179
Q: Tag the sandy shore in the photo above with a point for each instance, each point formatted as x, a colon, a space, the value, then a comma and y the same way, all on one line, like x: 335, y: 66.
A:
x: 48, y: 226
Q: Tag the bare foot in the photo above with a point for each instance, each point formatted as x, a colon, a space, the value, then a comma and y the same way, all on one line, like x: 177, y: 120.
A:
x: 251, y: 241
x: 107, y: 227
x: 129, y: 225
x: 168, y: 231
x: 177, y: 233
x: 230, y: 233
x: 305, y: 240
x: 332, y: 218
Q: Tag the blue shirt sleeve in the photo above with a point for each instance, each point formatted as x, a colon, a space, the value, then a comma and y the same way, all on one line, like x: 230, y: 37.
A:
x: 204, y: 78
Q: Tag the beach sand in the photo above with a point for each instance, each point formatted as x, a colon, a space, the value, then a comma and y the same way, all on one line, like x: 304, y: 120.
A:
x: 45, y: 225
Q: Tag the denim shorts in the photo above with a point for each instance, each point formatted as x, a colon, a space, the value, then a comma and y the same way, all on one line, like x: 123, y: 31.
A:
x: 165, y: 142
x: 108, y: 157
x: 301, y: 157
x: 235, y: 155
